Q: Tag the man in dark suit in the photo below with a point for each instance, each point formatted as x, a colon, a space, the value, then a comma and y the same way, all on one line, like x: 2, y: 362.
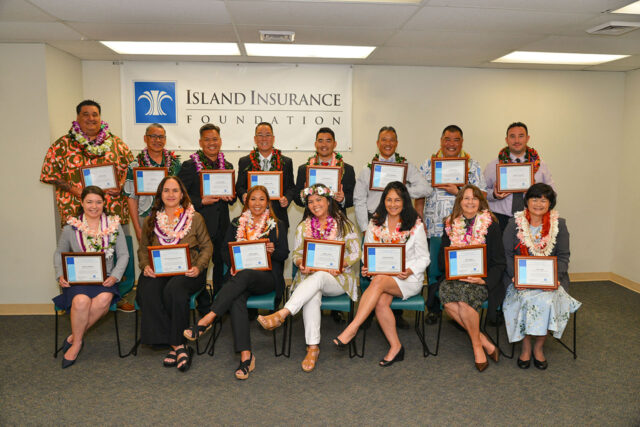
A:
x: 266, y: 158
x: 214, y: 210
x: 327, y: 156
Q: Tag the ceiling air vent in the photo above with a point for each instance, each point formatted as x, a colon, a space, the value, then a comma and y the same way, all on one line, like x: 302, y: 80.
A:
x: 269, y: 36
x: 614, y: 28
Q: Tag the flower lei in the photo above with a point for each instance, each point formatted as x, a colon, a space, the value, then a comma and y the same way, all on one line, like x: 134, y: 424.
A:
x: 382, y: 234
x: 100, y: 145
x: 531, y: 155
x: 102, y: 240
x: 397, y: 159
x: 336, y: 160
x: 527, y: 244
x: 248, y: 229
x: 313, y: 229
x: 317, y: 189
x: 167, y: 233
x: 476, y: 235
x: 463, y: 154
x: 276, y: 160
x: 202, y: 161
x: 170, y: 158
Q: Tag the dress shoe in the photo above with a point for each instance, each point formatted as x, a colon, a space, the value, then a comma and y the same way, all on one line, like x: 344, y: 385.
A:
x: 524, y: 364
x: 482, y: 366
x: 495, y: 355
x: 432, y: 318
x: 398, y: 358
x: 401, y: 323
x: 339, y: 344
x: 126, y: 307
x: 67, y: 363
x: 540, y: 364
x: 66, y: 345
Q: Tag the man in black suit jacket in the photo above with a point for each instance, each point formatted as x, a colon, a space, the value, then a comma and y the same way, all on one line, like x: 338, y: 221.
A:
x: 266, y: 158
x: 326, y: 156
x: 214, y: 210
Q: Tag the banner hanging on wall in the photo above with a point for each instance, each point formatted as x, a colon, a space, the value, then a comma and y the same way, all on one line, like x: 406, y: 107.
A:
x: 296, y: 99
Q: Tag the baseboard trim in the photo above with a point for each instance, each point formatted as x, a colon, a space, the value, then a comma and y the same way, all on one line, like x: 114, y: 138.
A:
x: 26, y: 309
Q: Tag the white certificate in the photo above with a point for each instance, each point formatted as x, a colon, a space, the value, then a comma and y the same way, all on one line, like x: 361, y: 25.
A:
x: 100, y: 176
x: 384, y: 173
x: 250, y: 255
x: 469, y: 261
x: 328, y: 176
x: 272, y: 182
x: 323, y: 256
x: 536, y: 272
x: 384, y: 259
x: 148, y: 179
x: 170, y: 261
x: 514, y: 177
x: 84, y: 269
x: 449, y: 171
x: 217, y: 184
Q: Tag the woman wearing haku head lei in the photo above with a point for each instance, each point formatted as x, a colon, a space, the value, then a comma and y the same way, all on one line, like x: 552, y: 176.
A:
x: 537, y: 231
x: 257, y: 222
x: 322, y: 220
x: 394, y: 221
x: 91, y: 230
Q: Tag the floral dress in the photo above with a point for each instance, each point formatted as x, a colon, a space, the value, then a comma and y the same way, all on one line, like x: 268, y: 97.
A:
x: 536, y: 311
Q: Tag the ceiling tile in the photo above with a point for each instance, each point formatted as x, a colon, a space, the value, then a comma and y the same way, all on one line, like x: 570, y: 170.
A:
x: 154, y: 32
x: 21, y: 11
x: 329, y: 14
x: 580, y: 6
x: 138, y: 11
x: 429, y: 56
x: 586, y: 44
x: 320, y: 35
x: 456, y: 39
x: 36, y: 31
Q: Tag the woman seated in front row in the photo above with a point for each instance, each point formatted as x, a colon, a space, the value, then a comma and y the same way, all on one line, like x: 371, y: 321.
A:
x: 537, y: 231
x: 471, y: 223
x: 323, y: 219
x: 394, y: 221
x: 164, y: 300
x: 256, y: 222
x: 91, y: 231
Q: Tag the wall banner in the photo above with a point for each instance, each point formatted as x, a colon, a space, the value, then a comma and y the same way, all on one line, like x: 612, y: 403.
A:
x: 296, y: 99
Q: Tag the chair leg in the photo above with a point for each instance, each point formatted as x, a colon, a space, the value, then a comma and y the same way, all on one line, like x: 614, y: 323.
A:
x: 211, y: 344
x: 56, y: 349
x: 483, y: 322
x: 571, y: 350
x: 134, y: 348
x: 285, y: 349
x: 435, y: 353
x: 420, y: 331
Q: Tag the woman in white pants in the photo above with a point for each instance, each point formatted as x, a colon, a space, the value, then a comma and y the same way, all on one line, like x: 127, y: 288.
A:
x: 394, y: 221
x: 322, y: 220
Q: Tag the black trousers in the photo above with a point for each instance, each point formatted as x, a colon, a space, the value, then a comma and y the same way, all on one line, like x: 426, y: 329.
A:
x: 164, y: 303
x: 232, y: 297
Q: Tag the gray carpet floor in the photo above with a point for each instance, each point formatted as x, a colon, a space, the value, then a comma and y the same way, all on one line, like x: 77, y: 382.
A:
x: 600, y: 387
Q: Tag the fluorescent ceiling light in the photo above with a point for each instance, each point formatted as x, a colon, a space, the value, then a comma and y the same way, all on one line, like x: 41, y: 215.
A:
x: 308, y: 50
x: 172, y: 48
x: 633, y: 8
x: 557, y: 58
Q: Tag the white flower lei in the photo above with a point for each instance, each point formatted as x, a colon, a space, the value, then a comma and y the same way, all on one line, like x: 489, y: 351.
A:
x: 102, y: 144
x: 458, y: 231
x: 263, y: 226
x: 384, y: 235
x: 169, y: 234
x: 546, y: 244
x: 101, y: 240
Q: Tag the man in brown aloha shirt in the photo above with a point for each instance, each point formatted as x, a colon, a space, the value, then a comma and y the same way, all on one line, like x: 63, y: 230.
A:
x: 89, y: 142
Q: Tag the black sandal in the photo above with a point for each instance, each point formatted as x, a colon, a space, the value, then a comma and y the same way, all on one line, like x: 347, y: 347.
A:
x: 245, y: 367
x: 187, y: 363
x: 173, y: 357
x: 196, y: 331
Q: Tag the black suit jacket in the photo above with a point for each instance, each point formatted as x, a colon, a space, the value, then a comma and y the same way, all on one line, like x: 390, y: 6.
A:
x: 288, y: 186
x: 216, y: 216
x: 348, y: 184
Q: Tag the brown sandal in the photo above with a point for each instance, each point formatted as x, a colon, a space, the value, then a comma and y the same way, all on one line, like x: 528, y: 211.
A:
x: 310, y: 359
x: 271, y: 321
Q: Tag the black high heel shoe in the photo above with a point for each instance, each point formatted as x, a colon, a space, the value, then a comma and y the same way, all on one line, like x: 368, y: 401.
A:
x: 339, y: 344
x: 540, y: 364
x: 66, y: 362
x: 398, y: 358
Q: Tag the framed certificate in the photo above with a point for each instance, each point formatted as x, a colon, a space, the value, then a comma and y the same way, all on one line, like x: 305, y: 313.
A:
x: 103, y: 176
x: 446, y: 171
x: 382, y: 258
x: 383, y: 173
x: 170, y: 260
x: 536, y: 272
x: 323, y: 254
x: 84, y: 268
x: 330, y: 176
x: 250, y: 254
x: 146, y: 180
x: 467, y: 261
x: 218, y: 182
x: 514, y: 177
x: 272, y: 180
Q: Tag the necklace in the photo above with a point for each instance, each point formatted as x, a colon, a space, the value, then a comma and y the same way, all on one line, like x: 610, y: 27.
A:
x: 476, y: 235
x: 382, y: 233
x: 101, y: 240
x: 249, y: 229
x: 314, y: 230
x: 531, y: 155
x: 544, y: 246
x: 100, y: 145
x: 202, y: 161
x: 397, y: 158
x: 167, y: 232
x: 276, y: 160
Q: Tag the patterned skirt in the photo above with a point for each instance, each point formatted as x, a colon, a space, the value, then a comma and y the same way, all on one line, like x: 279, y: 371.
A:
x: 469, y: 293
x: 534, y: 312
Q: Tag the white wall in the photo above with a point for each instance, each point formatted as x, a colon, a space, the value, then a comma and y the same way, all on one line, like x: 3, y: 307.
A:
x: 626, y: 153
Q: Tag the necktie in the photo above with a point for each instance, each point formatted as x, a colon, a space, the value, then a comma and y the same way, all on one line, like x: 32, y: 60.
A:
x: 517, y: 201
x: 266, y: 164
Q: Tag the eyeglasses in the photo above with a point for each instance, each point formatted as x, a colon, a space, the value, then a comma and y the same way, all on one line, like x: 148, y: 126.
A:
x: 158, y: 137
x: 264, y: 135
